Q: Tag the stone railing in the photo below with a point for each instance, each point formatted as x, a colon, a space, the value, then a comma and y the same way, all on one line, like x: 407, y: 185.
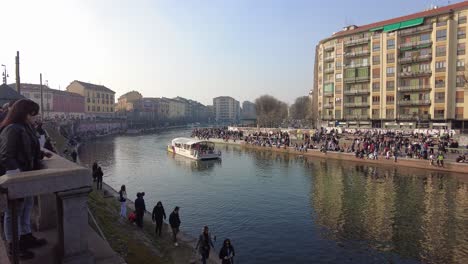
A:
x: 62, y: 189
x: 415, y: 102
x: 356, y: 91
x: 357, y: 41
x: 414, y: 88
x: 415, y: 43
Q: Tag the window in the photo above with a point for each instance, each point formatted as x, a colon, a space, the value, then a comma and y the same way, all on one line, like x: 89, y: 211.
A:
x: 88, y: 108
x: 441, y: 34
x: 375, y: 113
x: 460, y: 65
x: 94, y: 101
x: 26, y: 95
x: 390, y: 113
x: 94, y: 108
x: 390, y: 99
x: 440, y: 83
x: 376, y: 87
x: 461, y: 49
x: 37, y: 96
x: 376, y: 47
x: 459, y: 97
x: 390, y: 71
x: 375, y: 100
x: 390, y: 86
x: 98, y: 95
x: 107, y: 96
x: 88, y: 100
x: 461, y: 20
x: 440, y: 66
x: 376, y: 73
x: 461, y: 33
x: 460, y: 81
x: 338, y: 76
x: 337, y: 114
x: 440, y: 97
x: 99, y: 109
x: 425, y: 37
x: 390, y: 57
x: 376, y: 59
x: 439, y: 114
x: 442, y: 23
x: 390, y: 44
x: 441, y: 51
x: 338, y: 64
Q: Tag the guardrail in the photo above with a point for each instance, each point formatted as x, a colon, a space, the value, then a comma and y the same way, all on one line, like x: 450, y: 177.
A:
x: 62, y: 188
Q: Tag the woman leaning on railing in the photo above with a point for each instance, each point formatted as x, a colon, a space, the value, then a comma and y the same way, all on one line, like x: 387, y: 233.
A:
x: 20, y: 151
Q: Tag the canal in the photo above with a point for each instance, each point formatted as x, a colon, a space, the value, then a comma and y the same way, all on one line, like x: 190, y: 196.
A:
x: 288, y: 209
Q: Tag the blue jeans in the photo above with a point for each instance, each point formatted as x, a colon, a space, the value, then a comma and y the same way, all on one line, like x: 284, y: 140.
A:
x: 23, y: 211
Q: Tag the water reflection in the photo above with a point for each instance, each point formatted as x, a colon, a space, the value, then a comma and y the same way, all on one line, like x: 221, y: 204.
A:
x: 194, y: 165
x: 420, y: 215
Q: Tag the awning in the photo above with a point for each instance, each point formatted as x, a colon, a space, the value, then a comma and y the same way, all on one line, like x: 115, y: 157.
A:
x: 376, y: 29
x: 391, y: 27
x: 412, y: 23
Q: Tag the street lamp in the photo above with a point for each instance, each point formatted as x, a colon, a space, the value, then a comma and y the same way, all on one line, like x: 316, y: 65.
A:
x: 4, y: 74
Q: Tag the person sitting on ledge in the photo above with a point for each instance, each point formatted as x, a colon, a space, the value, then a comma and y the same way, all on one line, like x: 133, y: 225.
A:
x: 19, y: 152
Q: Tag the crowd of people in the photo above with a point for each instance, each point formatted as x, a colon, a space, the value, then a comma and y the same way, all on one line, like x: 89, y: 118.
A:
x: 218, y: 133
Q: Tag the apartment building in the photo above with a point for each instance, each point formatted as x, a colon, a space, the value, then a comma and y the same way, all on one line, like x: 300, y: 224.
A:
x: 99, y: 99
x: 405, y: 72
x: 226, y: 109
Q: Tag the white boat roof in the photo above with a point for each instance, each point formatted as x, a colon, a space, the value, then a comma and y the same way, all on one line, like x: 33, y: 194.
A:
x: 188, y: 141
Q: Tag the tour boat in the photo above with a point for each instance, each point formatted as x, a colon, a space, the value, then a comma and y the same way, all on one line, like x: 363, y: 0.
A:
x: 194, y: 149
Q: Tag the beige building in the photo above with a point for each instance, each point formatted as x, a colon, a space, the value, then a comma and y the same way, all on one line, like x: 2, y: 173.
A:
x: 403, y: 72
x: 127, y: 101
x: 226, y: 109
x: 99, y: 99
x: 176, y: 108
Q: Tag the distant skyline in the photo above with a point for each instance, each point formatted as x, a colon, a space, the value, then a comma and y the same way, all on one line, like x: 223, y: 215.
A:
x: 194, y: 49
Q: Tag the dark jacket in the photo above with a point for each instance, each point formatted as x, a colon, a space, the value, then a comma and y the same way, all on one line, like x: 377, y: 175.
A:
x: 159, y: 213
x: 140, y: 204
x: 174, y: 220
x: 99, y: 174
x: 204, y: 243
x: 224, y: 252
x: 20, y: 148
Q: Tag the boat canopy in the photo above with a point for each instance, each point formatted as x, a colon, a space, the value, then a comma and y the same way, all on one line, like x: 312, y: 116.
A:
x: 188, y: 141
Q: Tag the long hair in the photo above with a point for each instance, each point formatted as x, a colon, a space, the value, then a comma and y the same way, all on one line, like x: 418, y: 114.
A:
x: 19, y: 112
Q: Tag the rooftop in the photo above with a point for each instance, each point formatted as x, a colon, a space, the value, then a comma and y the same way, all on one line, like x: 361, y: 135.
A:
x: 95, y: 87
x: 427, y: 13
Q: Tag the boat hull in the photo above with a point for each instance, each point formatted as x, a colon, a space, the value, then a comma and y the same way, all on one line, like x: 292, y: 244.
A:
x: 188, y: 154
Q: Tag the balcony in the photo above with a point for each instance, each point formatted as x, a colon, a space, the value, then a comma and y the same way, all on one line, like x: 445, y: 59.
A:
x: 357, y: 117
x: 439, y: 116
x: 357, y: 104
x: 327, y: 117
x: 357, y: 53
x: 412, y: 31
x: 375, y: 116
x: 329, y: 70
x: 355, y: 42
x: 419, y: 58
x: 415, y: 74
x: 356, y: 79
x: 328, y: 93
x: 357, y: 92
x: 61, y: 188
x: 329, y: 47
x: 416, y: 88
x: 414, y: 102
x: 328, y: 106
x: 357, y: 65
x: 415, y: 44
x: 414, y: 117
x: 329, y: 58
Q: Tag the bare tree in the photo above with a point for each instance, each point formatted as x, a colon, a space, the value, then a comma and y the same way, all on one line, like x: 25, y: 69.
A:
x: 270, y: 111
x: 301, y: 109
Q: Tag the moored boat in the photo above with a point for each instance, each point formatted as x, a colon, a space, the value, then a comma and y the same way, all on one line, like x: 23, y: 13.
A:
x: 194, y: 149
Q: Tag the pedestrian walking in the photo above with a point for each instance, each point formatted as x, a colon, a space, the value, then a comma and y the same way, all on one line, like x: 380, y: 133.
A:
x: 174, y: 221
x: 20, y: 151
x: 440, y: 159
x: 204, y: 244
x: 95, y: 167
x: 99, y: 175
x: 227, y: 253
x: 140, y: 209
x: 74, y: 155
x: 123, y: 201
x: 157, y: 216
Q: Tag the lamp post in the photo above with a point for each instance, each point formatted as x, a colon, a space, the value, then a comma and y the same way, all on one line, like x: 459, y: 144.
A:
x: 4, y: 74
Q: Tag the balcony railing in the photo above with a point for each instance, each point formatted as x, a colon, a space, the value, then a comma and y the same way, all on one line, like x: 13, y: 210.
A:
x: 329, y: 58
x: 362, y: 78
x: 360, y: 104
x: 439, y: 116
x: 329, y: 70
x: 329, y: 47
x: 328, y: 93
x: 356, y: 91
x: 458, y: 116
x: 415, y: 59
x: 414, y: 102
x: 414, y: 74
x: 414, y: 117
x: 357, y: 53
x: 62, y: 189
x: 357, y: 41
x: 412, y: 31
x: 356, y: 117
x: 328, y: 106
x: 413, y: 44
x: 357, y: 65
x: 415, y: 88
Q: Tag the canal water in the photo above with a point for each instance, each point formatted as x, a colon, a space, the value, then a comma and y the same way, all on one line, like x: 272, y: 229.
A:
x: 288, y: 209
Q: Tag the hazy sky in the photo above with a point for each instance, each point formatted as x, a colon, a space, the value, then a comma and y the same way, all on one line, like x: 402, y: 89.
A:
x: 195, y: 49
